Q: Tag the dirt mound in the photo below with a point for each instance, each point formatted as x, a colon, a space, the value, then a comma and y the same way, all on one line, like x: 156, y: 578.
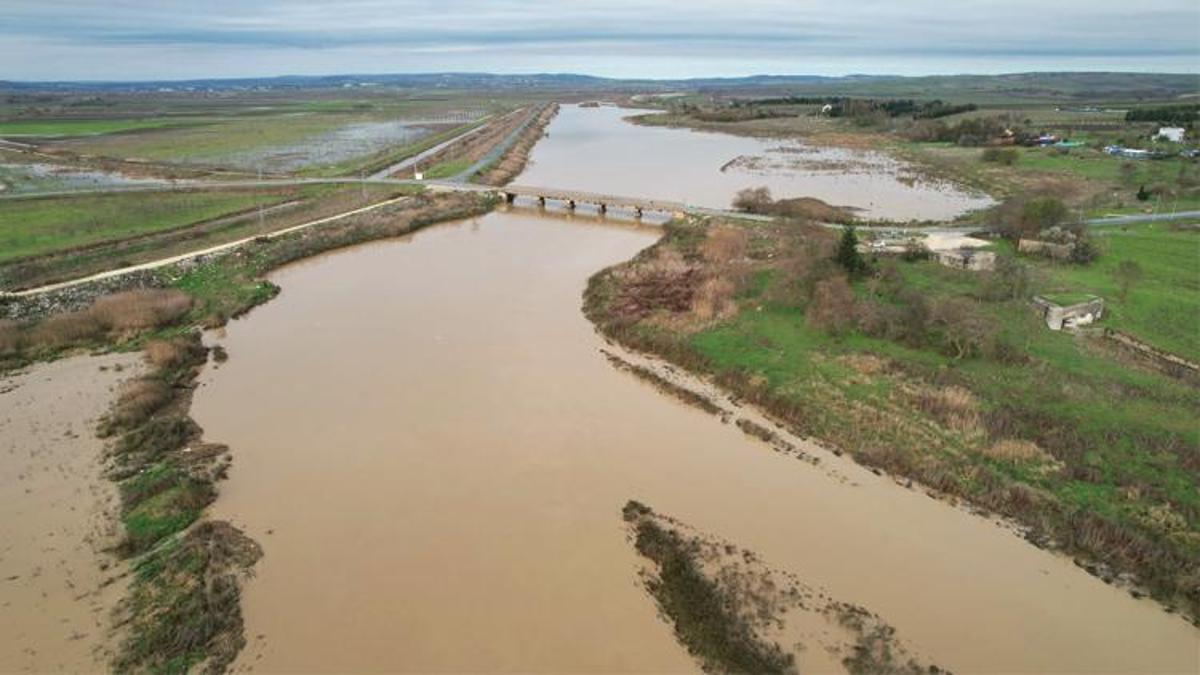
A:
x: 810, y: 208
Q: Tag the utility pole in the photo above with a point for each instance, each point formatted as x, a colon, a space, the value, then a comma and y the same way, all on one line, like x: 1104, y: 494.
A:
x: 261, y: 217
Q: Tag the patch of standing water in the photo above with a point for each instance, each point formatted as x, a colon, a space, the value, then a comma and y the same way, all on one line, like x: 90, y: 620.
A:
x: 33, y: 178
x: 597, y: 150
x: 348, y: 142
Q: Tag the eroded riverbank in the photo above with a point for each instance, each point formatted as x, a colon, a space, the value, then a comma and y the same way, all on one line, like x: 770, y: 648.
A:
x: 434, y: 454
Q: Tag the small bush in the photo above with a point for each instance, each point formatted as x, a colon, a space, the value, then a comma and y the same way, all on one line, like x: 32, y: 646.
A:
x: 714, y: 298
x: 723, y: 245
x: 832, y: 305
x: 10, y: 336
x: 1005, y: 156
x: 137, y: 401
x: 171, y: 354
x: 753, y: 200
x: 915, y: 250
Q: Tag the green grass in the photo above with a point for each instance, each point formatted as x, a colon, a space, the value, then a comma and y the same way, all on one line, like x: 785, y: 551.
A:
x: 448, y: 169
x: 1163, y: 308
x: 1071, y: 386
x: 39, y: 226
x: 1065, y: 299
x: 89, y: 127
x: 1096, y: 165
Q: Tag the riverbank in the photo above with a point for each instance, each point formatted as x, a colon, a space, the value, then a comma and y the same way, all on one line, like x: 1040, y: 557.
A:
x: 514, y: 159
x: 1011, y: 429
x: 182, y: 609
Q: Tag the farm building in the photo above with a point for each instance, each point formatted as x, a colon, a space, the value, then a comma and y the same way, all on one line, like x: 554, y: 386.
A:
x: 1060, y: 313
x: 1173, y: 134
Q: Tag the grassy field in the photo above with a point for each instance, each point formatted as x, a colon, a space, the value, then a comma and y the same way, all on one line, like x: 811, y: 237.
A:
x: 177, y: 233
x: 319, y: 133
x: 33, y: 227
x: 1098, y: 456
x: 88, y: 127
x: 1163, y: 306
x: 448, y: 169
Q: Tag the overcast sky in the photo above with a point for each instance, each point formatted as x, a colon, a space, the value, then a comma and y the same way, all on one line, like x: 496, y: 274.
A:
x: 174, y: 39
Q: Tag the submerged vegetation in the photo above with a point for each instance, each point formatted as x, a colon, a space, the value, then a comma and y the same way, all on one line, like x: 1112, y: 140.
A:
x: 704, y: 620
x: 729, y: 609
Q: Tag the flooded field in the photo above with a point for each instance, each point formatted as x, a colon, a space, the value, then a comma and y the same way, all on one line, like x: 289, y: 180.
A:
x: 348, y: 142
x: 596, y: 150
x: 434, y: 454
x: 41, y: 177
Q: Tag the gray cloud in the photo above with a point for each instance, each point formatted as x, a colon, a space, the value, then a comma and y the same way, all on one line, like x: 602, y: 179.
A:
x: 130, y: 39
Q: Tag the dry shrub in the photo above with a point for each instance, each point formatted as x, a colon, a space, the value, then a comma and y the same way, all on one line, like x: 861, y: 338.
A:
x: 64, y: 329
x: 10, y: 336
x: 864, y: 364
x: 725, y: 244
x: 137, y: 400
x: 954, y: 407
x: 832, y: 305
x: 803, y: 265
x: 714, y: 298
x: 664, y: 281
x: 167, y: 354
x: 753, y: 200
x: 145, y: 308
x: 1013, y: 450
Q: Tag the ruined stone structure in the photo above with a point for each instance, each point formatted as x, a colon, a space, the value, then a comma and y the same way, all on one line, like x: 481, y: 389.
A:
x: 1045, y: 248
x: 967, y: 259
x: 1058, y: 316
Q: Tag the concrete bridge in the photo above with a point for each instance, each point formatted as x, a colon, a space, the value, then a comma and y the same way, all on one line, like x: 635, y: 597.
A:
x: 601, y: 201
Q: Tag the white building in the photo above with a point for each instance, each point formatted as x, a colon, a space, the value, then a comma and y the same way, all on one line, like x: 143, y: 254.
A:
x: 1173, y: 134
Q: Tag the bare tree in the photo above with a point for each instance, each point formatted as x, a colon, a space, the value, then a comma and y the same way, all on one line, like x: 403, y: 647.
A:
x: 832, y: 305
x: 1127, y: 274
x: 753, y: 200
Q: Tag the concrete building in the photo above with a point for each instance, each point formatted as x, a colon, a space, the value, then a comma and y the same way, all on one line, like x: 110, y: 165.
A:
x: 1173, y: 134
x: 1058, y: 317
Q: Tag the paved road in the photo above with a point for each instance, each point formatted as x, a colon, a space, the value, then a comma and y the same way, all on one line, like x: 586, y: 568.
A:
x: 421, y: 156
x: 1143, y: 218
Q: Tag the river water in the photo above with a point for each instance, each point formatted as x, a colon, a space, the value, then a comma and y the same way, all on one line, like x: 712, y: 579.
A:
x: 434, y: 455
x: 596, y: 150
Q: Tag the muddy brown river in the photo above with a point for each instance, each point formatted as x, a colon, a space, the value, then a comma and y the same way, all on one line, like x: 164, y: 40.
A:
x: 434, y: 455
x: 596, y: 150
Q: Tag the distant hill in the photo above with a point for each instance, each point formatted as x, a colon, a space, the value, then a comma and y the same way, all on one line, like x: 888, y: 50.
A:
x: 1025, y: 86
